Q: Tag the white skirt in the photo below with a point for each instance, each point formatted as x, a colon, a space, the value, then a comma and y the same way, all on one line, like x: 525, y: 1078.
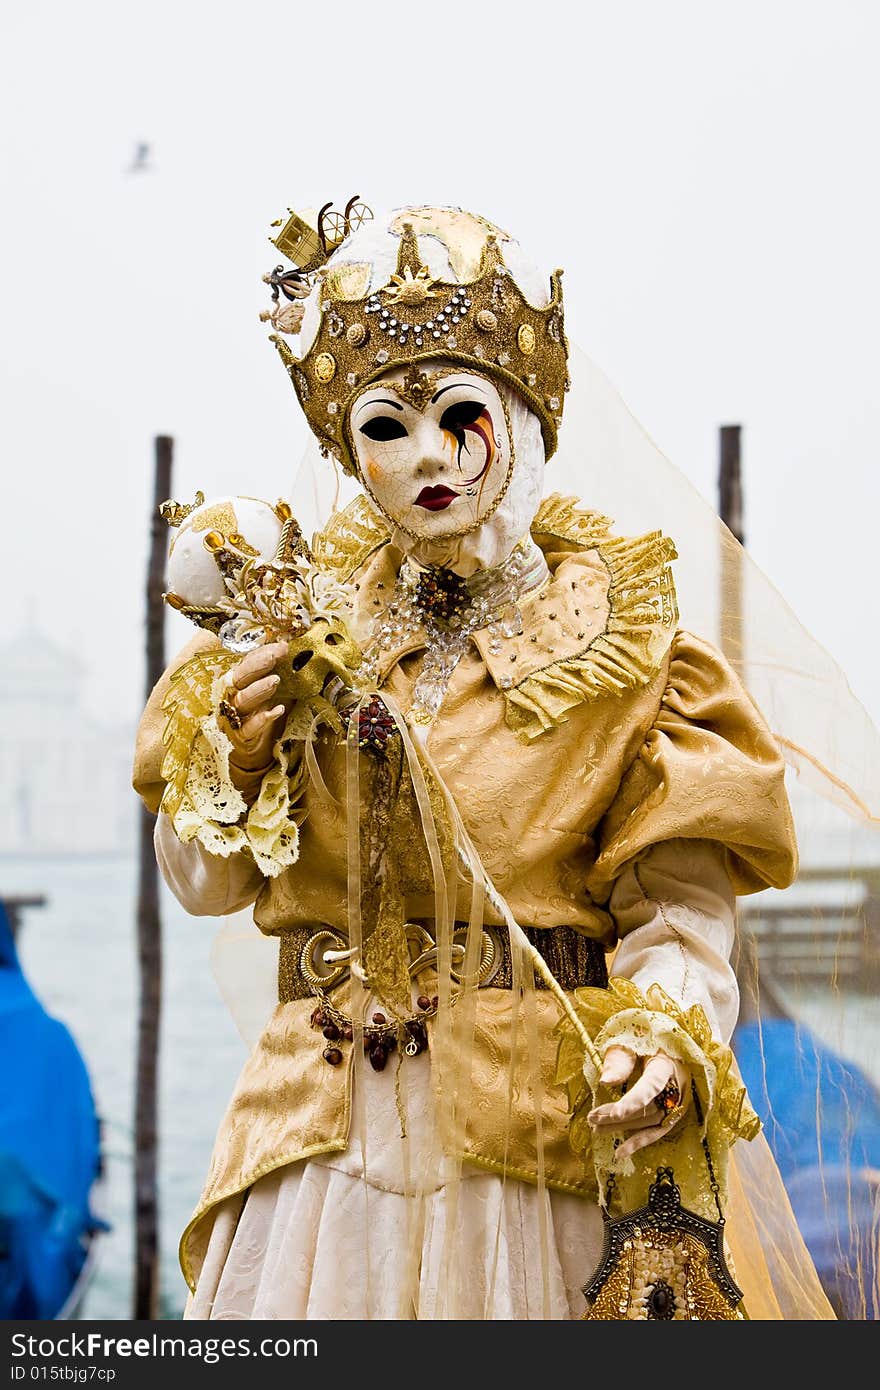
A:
x: 320, y: 1240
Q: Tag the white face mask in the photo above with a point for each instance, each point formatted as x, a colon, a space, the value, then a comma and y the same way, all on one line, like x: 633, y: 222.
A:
x: 436, y: 458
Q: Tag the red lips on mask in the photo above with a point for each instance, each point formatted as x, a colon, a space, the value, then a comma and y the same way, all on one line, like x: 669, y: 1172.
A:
x: 435, y: 499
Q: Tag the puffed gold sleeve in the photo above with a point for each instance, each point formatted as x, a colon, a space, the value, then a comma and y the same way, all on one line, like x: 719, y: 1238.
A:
x: 709, y: 769
x: 149, y: 751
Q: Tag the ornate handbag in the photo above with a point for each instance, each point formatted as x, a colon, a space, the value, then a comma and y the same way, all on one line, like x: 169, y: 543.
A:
x: 663, y: 1262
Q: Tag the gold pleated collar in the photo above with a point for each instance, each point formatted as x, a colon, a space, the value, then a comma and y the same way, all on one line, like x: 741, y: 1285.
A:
x: 600, y: 624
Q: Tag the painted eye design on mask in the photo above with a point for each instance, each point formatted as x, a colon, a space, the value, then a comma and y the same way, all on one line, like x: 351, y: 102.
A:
x: 383, y: 428
x: 470, y: 417
x: 457, y: 417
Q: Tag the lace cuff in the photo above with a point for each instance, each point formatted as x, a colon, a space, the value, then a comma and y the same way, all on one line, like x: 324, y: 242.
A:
x: 213, y: 811
x: 204, y: 804
x: 623, y: 1016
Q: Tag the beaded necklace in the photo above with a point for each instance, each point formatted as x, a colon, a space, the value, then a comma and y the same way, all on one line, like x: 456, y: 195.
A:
x: 450, y: 609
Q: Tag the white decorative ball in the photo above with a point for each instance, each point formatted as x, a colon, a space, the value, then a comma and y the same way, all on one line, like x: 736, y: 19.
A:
x: 192, y: 571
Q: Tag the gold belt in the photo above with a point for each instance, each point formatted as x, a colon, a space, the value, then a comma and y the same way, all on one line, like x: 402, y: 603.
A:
x: 305, y: 970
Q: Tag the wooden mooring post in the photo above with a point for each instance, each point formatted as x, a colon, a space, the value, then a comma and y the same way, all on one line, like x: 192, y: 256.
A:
x: 731, y: 510
x: 839, y: 945
x: 149, y: 937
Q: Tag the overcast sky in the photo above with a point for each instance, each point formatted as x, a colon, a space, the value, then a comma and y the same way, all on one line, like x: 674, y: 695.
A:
x: 706, y: 173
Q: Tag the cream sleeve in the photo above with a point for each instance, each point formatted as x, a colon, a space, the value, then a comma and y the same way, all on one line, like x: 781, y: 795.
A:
x: 675, y: 912
x: 206, y: 885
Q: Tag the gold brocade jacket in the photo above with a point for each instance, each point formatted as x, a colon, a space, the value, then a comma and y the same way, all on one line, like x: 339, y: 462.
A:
x: 598, y: 732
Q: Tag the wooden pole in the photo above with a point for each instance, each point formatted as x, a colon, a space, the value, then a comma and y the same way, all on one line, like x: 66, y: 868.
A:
x: 754, y: 998
x: 15, y: 904
x: 149, y: 934
x: 731, y: 509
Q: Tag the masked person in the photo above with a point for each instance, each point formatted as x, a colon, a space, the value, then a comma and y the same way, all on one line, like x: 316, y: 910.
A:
x: 501, y: 858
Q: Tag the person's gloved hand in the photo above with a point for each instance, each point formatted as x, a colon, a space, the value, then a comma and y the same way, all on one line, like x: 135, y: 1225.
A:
x: 250, y: 714
x: 652, y: 1107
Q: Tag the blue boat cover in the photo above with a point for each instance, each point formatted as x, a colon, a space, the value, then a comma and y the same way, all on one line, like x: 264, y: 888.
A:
x: 831, y: 1170
x: 49, y: 1149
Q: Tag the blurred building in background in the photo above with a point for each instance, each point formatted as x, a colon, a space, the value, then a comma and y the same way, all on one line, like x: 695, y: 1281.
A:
x: 65, y: 778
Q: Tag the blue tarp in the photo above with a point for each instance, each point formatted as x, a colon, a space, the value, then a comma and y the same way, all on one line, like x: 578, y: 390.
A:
x: 821, y: 1118
x: 791, y: 1077
x: 49, y: 1149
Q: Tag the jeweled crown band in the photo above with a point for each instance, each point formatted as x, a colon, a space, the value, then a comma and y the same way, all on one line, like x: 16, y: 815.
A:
x: 485, y: 325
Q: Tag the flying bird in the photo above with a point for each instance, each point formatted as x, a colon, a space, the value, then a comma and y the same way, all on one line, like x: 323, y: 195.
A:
x: 140, y: 163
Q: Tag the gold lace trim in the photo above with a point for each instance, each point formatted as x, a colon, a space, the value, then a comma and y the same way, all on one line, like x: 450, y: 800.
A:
x: 561, y: 517
x: 187, y: 703
x: 200, y: 797
x: 642, y: 618
x: 349, y: 539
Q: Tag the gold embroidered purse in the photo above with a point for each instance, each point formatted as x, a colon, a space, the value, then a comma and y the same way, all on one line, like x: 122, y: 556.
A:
x: 663, y: 1262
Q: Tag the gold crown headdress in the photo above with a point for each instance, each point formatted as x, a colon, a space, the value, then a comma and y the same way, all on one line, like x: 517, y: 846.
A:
x: 485, y: 323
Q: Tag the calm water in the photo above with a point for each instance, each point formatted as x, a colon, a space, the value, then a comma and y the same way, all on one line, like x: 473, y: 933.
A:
x: 80, y: 956
x: 79, y: 953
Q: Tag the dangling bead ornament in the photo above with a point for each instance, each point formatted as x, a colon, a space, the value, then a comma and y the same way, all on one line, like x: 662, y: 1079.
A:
x: 381, y: 1037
